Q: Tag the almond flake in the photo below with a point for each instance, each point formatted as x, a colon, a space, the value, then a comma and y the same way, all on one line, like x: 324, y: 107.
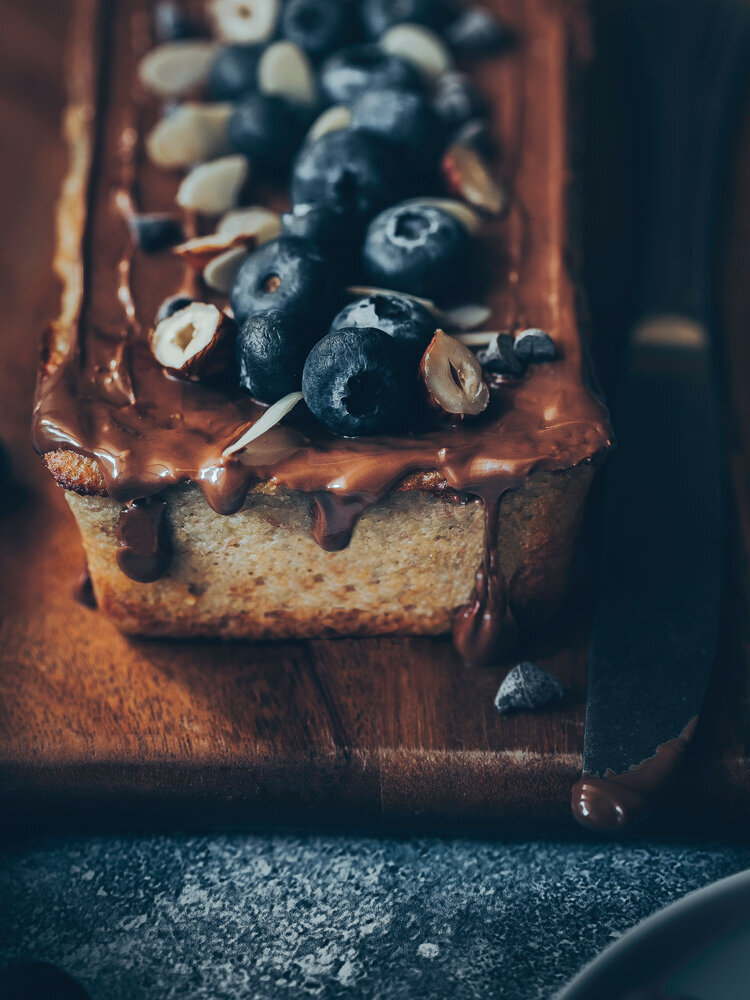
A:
x: 177, y: 68
x: 265, y: 422
x: 468, y: 317
x: 419, y: 46
x: 332, y: 120
x: 213, y: 188
x: 257, y: 221
x: 191, y: 133
x: 468, y: 176
x: 284, y: 69
x: 477, y: 338
x: 246, y: 22
x: 199, y: 252
x: 219, y: 273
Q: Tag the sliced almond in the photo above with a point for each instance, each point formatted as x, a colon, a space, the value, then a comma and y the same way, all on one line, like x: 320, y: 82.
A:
x: 196, y: 342
x: 199, y: 252
x: 177, y: 68
x: 244, y: 21
x: 332, y: 120
x: 458, y: 209
x: 468, y: 176
x: 193, y: 132
x: 213, y: 188
x: 265, y: 422
x: 477, y: 338
x: 219, y: 273
x: 256, y: 221
x: 285, y: 70
x: 452, y: 378
x: 419, y: 46
x: 468, y: 317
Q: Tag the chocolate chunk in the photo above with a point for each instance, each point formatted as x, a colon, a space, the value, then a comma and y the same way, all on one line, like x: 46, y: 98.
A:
x: 154, y: 233
x: 534, y: 346
x: 144, y: 544
x: 527, y: 686
x: 500, y: 358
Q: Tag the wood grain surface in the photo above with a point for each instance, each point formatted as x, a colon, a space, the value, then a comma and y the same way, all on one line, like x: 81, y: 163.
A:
x: 98, y: 726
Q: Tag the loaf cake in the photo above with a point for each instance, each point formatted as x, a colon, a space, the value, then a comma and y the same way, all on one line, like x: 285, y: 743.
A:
x: 442, y: 487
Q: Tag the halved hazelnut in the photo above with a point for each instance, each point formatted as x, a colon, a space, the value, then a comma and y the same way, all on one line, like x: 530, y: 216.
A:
x: 199, y: 252
x: 190, y: 134
x: 244, y: 21
x: 196, y: 342
x: 285, y: 70
x: 468, y: 176
x: 452, y: 378
x: 176, y: 68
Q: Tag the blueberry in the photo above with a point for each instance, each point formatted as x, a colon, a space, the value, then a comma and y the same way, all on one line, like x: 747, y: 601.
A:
x: 353, y: 70
x: 359, y: 381
x: 417, y: 249
x: 534, y: 345
x: 172, y: 305
x: 234, y: 72
x: 317, y: 26
x: 355, y: 172
x: 379, y: 15
x: 266, y: 128
x: 403, y: 118
x: 457, y: 101
x: 170, y: 23
x: 403, y: 319
x: 527, y: 686
x: 328, y: 226
x: 478, y: 32
x: 271, y: 352
x: 500, y: 357
x: 288, y: 274
x: 155, y: 232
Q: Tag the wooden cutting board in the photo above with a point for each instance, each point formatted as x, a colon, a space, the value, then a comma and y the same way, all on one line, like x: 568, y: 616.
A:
x: 99, y: 726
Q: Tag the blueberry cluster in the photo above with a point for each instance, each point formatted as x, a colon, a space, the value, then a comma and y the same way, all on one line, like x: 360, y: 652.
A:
x: 360, y: 106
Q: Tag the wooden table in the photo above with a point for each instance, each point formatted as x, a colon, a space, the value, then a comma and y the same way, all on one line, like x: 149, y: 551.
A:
x: 376, y: 731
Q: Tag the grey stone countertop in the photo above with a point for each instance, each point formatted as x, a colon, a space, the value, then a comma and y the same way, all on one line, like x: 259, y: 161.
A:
x: 281, y: 916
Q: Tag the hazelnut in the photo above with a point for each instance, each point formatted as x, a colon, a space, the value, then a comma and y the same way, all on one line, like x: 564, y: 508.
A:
x: 196, y: 341
x: 452, y: 378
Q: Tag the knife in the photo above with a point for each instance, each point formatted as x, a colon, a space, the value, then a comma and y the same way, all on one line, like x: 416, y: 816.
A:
x: 656, y: 615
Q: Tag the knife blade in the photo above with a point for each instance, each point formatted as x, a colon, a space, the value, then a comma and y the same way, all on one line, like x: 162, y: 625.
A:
x: 656, y: 615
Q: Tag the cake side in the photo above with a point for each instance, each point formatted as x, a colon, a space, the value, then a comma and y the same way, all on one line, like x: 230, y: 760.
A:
x: 409, y: 564
x: 529, y: 460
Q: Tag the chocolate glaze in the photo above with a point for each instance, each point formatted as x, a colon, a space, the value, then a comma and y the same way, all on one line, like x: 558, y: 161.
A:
x: 144, y: 547
x: 108, y: 398
x: 616, y: 801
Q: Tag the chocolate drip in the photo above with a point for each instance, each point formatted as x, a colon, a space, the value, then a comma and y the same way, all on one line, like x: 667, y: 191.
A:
x: 144, y: 545
x: 83, y: 589
x: 617, y: 801
x: 334, y: 518
x: 484, y: 628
